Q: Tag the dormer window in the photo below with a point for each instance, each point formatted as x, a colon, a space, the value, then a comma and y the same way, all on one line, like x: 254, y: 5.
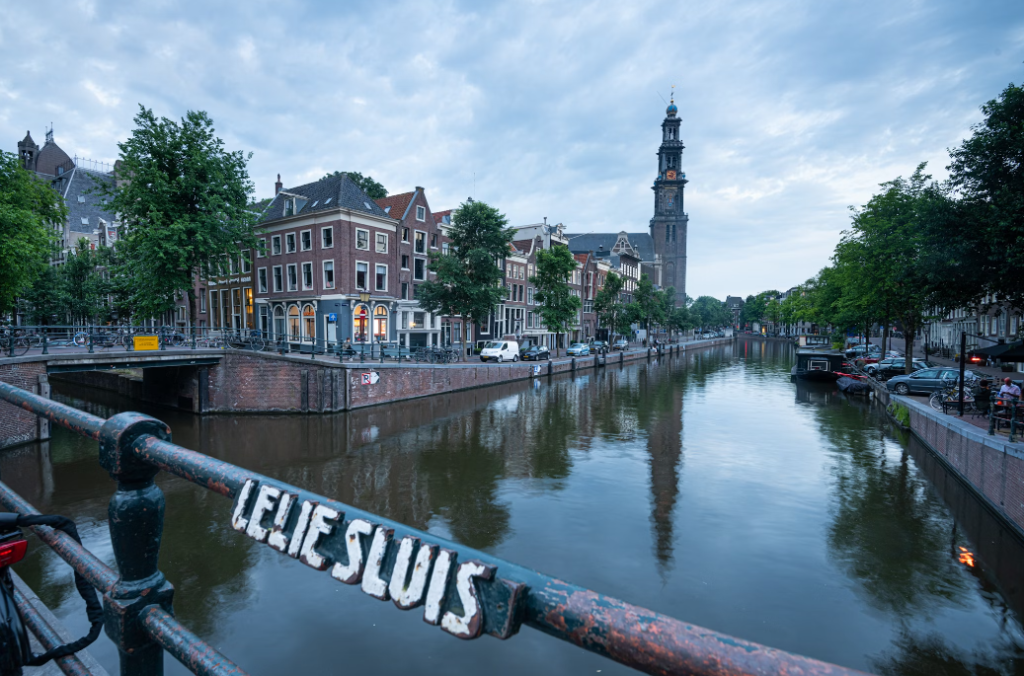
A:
x: 289, y: 207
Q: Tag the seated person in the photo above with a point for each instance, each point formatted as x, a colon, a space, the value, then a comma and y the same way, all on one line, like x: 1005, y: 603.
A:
x: 1009, y: 390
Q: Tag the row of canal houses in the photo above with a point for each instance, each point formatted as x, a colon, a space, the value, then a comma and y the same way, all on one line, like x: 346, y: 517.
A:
x: 333, y: 264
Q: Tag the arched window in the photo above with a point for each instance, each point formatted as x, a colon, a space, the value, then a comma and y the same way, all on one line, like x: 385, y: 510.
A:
x: 293, y: 322
x: 380, y: 323
x: 278, y: 321
x: 308, y: 322
x: 360, y: 324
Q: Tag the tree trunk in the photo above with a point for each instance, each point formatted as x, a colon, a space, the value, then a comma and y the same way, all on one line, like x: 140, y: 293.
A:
x: 192, y: 310
x: 908, y: 336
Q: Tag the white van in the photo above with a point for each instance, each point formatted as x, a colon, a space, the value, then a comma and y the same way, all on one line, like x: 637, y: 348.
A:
x: 500, y: 350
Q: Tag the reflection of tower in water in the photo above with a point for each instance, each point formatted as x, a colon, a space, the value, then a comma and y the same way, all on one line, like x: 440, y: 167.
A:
x: 665, y: 448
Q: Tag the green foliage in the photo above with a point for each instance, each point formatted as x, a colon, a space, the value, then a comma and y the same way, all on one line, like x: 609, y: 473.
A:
x: 609, y: 307
x: 28, y: 209
x: 983, y: 235
x: 469, y: 282
x: 710, y: 313
x: 559, y: 306
x: 372, y: 189
x: 80, y: 291
x: 183, y: 201
x: 900, y: 413
x: 647, y: 307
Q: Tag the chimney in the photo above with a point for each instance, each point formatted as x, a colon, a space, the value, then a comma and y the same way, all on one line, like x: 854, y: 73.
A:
x: 278, y: 185
x: 545, y: 220
x: 419, y: 188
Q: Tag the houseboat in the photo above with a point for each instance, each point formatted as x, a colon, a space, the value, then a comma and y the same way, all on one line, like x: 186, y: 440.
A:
x: 819, y: 367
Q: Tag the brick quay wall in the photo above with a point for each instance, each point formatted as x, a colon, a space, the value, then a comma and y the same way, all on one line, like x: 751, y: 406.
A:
x: 991, y: 466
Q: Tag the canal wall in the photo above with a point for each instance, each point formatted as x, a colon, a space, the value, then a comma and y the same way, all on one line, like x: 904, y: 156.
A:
x: 18, y: 426
x: 268, y: 383
x: 991, y: 466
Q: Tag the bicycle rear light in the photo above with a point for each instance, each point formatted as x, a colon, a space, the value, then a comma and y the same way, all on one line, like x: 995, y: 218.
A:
x: 12, y: 552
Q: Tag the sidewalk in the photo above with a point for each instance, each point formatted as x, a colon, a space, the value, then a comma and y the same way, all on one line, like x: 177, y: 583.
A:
x: 994, y: 372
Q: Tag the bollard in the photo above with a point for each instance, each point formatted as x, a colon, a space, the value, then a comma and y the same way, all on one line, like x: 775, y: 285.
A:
x: 572, y: 367
x: 622, y: 357
x: 549, y: 366
x: 136, y: 517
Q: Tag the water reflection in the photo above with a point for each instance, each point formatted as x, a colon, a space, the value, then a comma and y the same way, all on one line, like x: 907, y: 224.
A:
x: 707, y: 487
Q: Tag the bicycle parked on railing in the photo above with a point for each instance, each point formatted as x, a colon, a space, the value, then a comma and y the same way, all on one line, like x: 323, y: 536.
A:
x: 252, y: 340
x: 13, y: 342
x: 172, y: 337
x: 15, y: 649
x: 949, y: 394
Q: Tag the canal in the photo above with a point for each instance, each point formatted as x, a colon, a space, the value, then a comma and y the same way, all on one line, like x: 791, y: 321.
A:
x: 707, y: 487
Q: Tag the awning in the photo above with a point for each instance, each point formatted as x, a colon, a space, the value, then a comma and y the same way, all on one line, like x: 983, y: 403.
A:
x: 996, y: 351
x: 1014, y: 353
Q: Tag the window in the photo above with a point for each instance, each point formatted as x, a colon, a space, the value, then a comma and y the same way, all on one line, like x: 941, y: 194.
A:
x: 307, y: 276
x: 421, y: 213
x: 278, y: 284
x: 275, y: 245
x: 308, y: 322
x: 420, y: 273
x: 306, y: 239
x: 261, y: 248
x: 382, y: 278
x: 529, y: 296
x: 420, y: 246
x: 363, y: 239
x: 262, y: 279
x: 328, y: 274
x: 246, y: 262
x: 360, y: 324
x: 293, y: 277
x: 279, y: 321
x: 405, y: 290
x: 293, y: 322
x: 405, y: 262
x: 327, y: 237
x: 380, y: 323
x: 289, y: 243
x: 444, y: 248
x: 417, y: 320
x: 433, y: 241
x: 362, y: 270
x: 405, y: 234
x: 289, y: 207
x: 382, y: 242
x: 202, y: 300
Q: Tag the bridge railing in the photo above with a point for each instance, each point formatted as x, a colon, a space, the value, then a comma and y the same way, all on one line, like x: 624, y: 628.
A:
x: 463, y: 591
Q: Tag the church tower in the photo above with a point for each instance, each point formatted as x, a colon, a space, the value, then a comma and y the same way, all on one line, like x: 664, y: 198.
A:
x: 668, y: 227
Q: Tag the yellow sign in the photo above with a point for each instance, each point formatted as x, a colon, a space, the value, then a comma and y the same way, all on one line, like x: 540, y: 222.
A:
x: 147, y: 342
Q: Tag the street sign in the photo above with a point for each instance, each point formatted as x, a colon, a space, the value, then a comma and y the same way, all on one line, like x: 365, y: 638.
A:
x: 371, y: 378
x: 332, y: 316
x: 146, y: 343
x: 536, y: 369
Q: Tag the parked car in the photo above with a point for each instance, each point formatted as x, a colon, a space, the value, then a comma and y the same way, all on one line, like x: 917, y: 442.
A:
x: 620, y: 344
x: 864, y: 351
x: 535, y: 353
x: 599, y: 346
x: 578, y: 350
x: 894, y: 366
x: 500, y: 350
x: 926, y: 380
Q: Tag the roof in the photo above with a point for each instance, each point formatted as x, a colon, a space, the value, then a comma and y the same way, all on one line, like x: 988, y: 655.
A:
x: 641, y: 241
x: 85, y: 200
x: 50, y: 157
x: 581, y: 257
x: 439, y: 216
x: 524, y: 245
x: 329, y: 192
x: 396, y: 206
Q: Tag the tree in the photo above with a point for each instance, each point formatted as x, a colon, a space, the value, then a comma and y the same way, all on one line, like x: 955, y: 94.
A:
x: 710, y: 313
x: 28, y: 210
x: 607, y: 304
x: 468, y: 282
x: 183, y: 203
x: 559, y: 306
x: 373, y: 190
x: 647, y: 307
x: 987, y: 171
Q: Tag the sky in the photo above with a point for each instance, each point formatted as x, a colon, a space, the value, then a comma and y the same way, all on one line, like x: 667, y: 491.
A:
x: 792, y: 111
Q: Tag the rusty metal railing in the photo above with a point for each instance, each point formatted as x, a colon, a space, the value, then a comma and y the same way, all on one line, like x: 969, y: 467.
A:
x: 465, y: 592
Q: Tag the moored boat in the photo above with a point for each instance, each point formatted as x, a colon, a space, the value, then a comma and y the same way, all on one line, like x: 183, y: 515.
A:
x: 822, y: 367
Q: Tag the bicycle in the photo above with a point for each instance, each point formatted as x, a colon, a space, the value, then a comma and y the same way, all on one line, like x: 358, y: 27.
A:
x: 13, y: 342
x: 254, y: 341
x: 172, y: 338
x: 949, y: 395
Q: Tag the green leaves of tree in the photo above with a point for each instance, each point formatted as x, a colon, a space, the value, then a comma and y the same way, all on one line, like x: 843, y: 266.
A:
x: 28, y: 209
x: 559, y: 305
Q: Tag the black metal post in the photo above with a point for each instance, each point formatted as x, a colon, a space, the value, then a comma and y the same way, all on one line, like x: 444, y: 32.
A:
x: 136, y: 516
x: 88, y: 339
x: 963, y: 366
x: 45, y: 351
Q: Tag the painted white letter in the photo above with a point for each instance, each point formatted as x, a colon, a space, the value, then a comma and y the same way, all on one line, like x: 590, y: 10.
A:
x: 352, y: 572
x: 408, y: 593
x: 277, y: 539
x: 300, y: 528
x: 372, y: 584
x: 266, y: 500
x: 317, y: 526
x: 471, y: 622
x: 239, y: 522
x: 438, y: 585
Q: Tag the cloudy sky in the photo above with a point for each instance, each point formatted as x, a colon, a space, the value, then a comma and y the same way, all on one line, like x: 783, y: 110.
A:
x: 792, y: 111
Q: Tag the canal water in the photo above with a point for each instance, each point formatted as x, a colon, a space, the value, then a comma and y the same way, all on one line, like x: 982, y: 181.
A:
x: 707, y: 487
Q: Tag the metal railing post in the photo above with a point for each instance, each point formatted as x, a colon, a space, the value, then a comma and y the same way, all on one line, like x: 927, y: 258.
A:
x: 45, y: 350
x: 136, y: 515
x: 88, y: 338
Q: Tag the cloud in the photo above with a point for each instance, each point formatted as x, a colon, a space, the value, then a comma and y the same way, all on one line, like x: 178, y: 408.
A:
x: 792, y: 110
